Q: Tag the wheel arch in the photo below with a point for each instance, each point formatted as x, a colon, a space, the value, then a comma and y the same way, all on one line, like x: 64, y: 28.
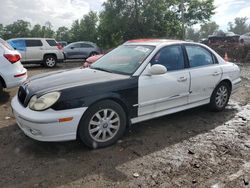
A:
x: 2, y: 82
x: 228, y: 82
x: 115, y: 99
x: 52, y: 54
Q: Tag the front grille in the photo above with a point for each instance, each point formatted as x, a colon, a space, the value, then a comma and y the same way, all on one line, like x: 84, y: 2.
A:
x: 21, y: 95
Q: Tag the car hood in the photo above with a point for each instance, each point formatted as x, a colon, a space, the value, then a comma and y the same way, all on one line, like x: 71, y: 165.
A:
x: 59, y: 80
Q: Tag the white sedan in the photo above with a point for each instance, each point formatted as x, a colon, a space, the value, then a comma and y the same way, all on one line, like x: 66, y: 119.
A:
x: 12, y: 72
x: 137, y: 81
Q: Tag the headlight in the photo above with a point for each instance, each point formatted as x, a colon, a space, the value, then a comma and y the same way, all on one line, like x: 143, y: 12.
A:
x: 44, y: 101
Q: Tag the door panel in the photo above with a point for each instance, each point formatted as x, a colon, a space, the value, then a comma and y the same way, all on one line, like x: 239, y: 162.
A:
x: 161, y: 92
x: 203, y: 81
x: 34, y: 50
x: 205, y: 72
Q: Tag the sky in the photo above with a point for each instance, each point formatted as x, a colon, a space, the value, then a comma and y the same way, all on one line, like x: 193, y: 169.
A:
x: 64, y: 12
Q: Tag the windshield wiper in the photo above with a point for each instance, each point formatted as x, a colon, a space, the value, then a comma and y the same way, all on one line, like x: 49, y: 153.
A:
x: 101, y: 69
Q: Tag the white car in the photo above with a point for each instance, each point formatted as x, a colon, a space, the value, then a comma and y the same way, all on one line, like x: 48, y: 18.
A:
x: 12, y: 72
x: 245, y: 39
x: 138, y: 81
x: 44, y: 51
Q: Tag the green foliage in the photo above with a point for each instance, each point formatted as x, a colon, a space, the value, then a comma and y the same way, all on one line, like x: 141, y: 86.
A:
x: 208, y: 29
x: 197, y: 11
x: 63, y: 34
x: 19, y: 28
x: 239, y: 26
x: 192, y: 34
x: 122, y: 20
x: 1, y: 30
x: 127, y: 19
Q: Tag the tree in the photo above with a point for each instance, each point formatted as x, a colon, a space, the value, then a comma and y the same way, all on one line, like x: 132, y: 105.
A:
x: 88, y: 27
x: 36, y: 31
x: 127, y: 19
x: 1, y: 30
x: 192, y: 34
x: 63, y: 34
x: 47, y: 30
x: 75, y: 31
x: 239, y: 26
x: 19, y: 28
x: 85, y: 29
x: 208, y: 29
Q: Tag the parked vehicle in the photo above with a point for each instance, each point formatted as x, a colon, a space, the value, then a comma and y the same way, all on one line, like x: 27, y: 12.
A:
x: 81, y: 50
x: 223, y: 37
x: 91, y: 60
x: 62, y: 43
x: 12, y: 72
x: 245, y: 39
x: 138, y: 81
x: 44, y: 51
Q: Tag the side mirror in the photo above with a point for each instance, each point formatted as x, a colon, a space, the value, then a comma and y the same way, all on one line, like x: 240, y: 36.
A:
x: 72, y: 47
x: 157, y: 69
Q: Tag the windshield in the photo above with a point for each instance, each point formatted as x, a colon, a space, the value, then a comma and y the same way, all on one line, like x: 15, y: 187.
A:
x: 123, y: 60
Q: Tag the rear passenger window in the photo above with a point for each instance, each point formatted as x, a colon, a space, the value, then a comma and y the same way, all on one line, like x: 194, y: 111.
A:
x: 33, y: 43
x: 83, y: 45
x: 51, y: 42
x: 199, y: 56
x: 18, y: 44
x: 171, y: 57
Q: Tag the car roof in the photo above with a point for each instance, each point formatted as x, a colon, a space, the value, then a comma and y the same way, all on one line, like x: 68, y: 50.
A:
x: 31, y: 38
x: 153, y: 42
x: 86, y: 42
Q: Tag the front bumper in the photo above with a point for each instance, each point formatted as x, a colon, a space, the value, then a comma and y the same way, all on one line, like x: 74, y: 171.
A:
x: 45, y: 125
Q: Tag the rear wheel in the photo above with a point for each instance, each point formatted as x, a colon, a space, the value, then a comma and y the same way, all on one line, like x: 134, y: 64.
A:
x: 220, y: 97
x: 102, y: 125
x: 50, y: 61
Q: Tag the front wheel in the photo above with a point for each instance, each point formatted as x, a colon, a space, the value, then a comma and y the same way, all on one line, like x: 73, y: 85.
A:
x: 220, y: 97
x: 50, y: 61
x: 102, y: 124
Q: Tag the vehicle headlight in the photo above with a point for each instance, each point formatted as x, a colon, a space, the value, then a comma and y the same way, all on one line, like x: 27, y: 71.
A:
x: 43, y: 102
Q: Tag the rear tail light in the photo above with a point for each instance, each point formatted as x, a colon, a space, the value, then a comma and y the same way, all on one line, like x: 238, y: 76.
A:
x: 13, y: 58
x: 59, y: 46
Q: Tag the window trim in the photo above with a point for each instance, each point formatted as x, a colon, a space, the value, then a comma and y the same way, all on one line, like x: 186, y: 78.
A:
x: 183, y: 55
x: 215, y: 60
x: 27, y: 46
x: 90, y: 46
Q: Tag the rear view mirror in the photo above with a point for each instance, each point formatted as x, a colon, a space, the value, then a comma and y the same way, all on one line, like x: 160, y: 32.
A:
x: 157, y: 69
x: 72, y: 47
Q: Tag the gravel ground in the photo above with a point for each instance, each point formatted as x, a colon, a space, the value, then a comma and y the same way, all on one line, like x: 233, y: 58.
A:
x: 194, y: 148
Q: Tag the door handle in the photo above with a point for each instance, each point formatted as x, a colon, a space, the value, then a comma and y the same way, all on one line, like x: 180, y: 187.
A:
x: 182, y: 79
x: 216, y: 73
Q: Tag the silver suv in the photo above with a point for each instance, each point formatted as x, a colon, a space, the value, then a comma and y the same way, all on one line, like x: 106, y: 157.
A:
x: 44, y: 51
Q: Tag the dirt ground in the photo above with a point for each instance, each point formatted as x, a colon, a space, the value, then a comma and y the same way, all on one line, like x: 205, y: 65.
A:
x: 194, y: 148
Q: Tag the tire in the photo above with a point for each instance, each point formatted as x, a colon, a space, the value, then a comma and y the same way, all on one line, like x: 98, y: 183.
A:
x: 220, y: 97
x: 96, y: 131
x: 50, y: 61
x: 1, y: 87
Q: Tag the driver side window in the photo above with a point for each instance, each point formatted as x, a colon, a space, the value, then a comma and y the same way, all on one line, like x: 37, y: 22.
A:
x: 171, y: 57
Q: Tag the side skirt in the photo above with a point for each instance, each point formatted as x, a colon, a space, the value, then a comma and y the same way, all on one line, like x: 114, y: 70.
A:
x: 169, y: 111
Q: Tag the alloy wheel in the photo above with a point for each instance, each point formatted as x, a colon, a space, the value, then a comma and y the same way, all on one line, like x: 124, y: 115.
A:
x: 104, y: 125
